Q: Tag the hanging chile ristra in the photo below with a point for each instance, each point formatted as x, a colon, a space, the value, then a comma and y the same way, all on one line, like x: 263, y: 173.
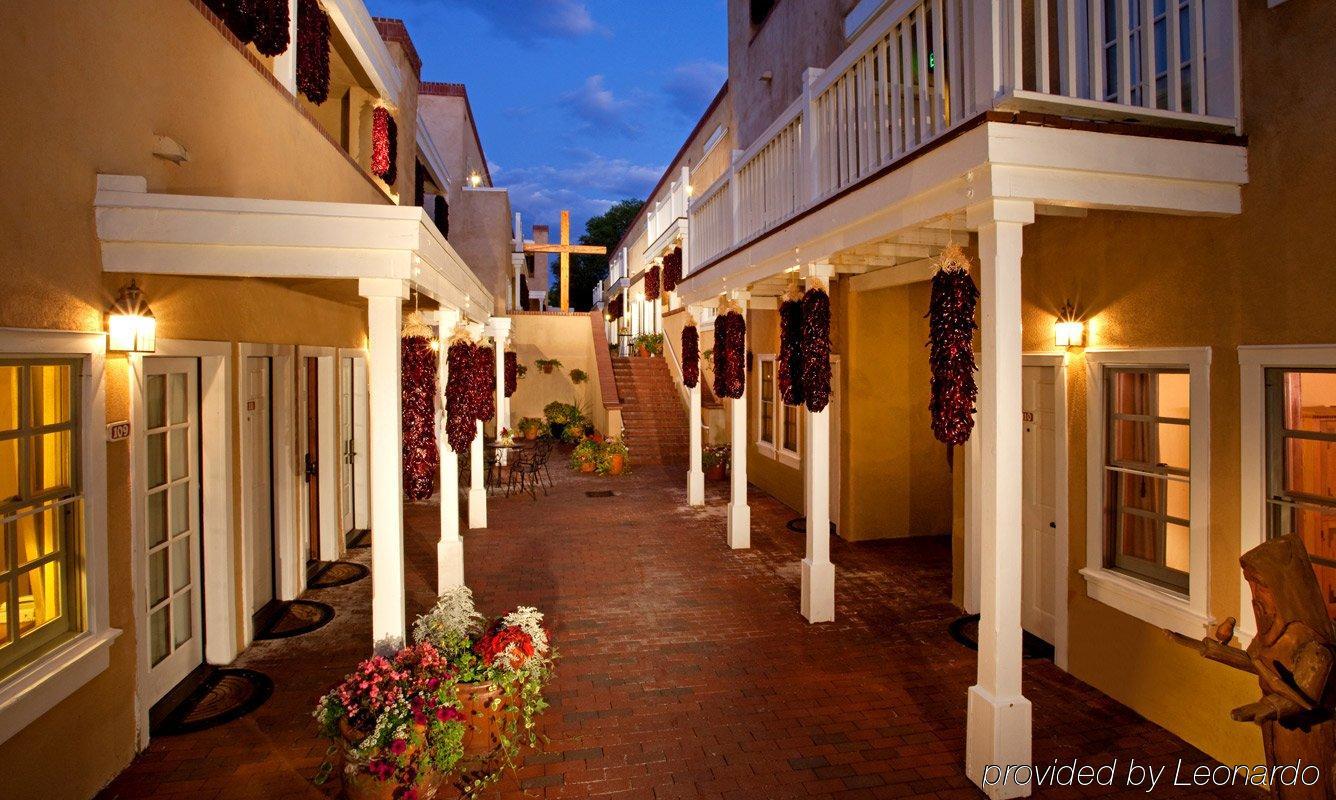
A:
x: 272, y: 20
x: 791, y: 347
x: 672, y: 269
x: 512, y: 372
x: 312, y: 51
x: 690, y: 354
x: 421, y: 455
x: 652, y: 283
x: 730, y: 351
x: 384, y: 145
x: 461, y: 420
x: 484, y: 377
x: 816, y: 347
x: 951, y: 356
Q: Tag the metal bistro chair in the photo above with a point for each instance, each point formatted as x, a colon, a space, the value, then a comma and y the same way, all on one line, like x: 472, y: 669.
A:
x: 524, y: 475
x: 542, y: 450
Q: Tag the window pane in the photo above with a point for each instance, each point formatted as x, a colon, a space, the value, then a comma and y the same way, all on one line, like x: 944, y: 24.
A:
x: 180, y: 508
x: 4, y: 617
x: 181, y: 627
x: 9, y: 398
x: 157, y: 518
x: 177, y: 397
x: 9, y: 470
x: 1310, y: 467
x: 768, y: 422
x: 767, y: 381
x: 1176, y: 547
x: 1175, y: 445
x: 1131, y: 393
x: 50, y: 394
x: 1138, y: 537
x: 155, y: 459
x: 39, y: 597
x: 1179, y: 500
x: 1138, y: 492
x: 159, y: 644
x: 51, y: 461
x: 36, y: 536
x: 155, y: 400
x: 1310, y: 401
x: 1316, y: 527
x: 157, y: 577
x: 179, y: 453
x: 1173, y: 394
x: 791, y: 428
x: 180, y: 563
x: 1132, y: 442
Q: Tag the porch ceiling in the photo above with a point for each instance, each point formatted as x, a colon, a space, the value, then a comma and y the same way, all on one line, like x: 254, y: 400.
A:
x: 288, y: 240
x: 899, y: 219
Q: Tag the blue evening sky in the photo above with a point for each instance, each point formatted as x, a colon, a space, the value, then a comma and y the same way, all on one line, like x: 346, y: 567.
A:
x: 579, y: 103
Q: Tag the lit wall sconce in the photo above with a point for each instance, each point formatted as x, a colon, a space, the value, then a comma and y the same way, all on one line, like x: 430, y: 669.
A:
x: 131, y: 327
x: 475, y: 179
x: 1068, y: 331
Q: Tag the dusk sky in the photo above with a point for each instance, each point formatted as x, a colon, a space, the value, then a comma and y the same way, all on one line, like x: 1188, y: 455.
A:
x: 579, y: 103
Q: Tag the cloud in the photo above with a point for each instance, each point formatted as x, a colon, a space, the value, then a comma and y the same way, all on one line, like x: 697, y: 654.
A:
x: 596, y: 105
x: 529, y: 21
x: 586, y: 186
x: 691, y: 86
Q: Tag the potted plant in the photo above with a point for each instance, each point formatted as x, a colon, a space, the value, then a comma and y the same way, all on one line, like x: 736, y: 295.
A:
x: 398, y: 723
x: 559, y: 416
x: 504, y: 438
x: 714, y: 460
x: 578, y: 376
x: 530, y: 427
x: 654, y: 344
x: 614, y: 457
x: 521, y: 371
x: 586, y: 455
x: 547, y: 365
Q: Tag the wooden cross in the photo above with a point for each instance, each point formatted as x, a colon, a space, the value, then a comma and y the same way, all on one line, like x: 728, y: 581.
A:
x: 565, y: 248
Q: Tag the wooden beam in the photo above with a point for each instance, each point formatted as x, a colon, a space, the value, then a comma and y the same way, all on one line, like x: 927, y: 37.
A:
x: 901, y: 275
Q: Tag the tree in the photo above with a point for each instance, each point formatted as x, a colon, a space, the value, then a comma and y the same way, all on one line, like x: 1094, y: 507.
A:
x: 607, y: 230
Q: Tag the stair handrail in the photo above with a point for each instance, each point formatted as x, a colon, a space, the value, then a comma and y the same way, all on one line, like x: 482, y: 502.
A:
x: 675, y: 367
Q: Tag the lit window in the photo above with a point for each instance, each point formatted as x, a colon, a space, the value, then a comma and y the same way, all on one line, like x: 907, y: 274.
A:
x: 766, y: 426
x: 1147, y: 474
x: 788, y: 429
x: 40, y: 508
x: 1301, y: 466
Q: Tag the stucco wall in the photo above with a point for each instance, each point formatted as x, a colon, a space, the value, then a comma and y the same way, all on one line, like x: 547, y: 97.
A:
x: 566, y: 337
x: 95, y: 82
x: 480, y: 233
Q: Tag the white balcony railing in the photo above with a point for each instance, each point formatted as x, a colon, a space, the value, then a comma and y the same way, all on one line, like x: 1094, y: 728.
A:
x: 923, y: 67
x: 666, y: 211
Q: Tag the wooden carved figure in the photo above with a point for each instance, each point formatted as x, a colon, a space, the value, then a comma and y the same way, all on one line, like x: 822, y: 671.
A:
x: 1292, y: 656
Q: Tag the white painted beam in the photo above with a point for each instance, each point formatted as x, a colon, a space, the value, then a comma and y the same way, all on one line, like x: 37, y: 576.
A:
x: 899, y: 275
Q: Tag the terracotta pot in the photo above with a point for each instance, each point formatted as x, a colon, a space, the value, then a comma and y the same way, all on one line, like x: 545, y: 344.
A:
x: 488, y: 714
x: 587, y: 466
x: 616, y: 463
x: 546, y: 368
x: 715, y: 473
x: 531, y: 434
x: 642, y: 351
x: 358, y: 784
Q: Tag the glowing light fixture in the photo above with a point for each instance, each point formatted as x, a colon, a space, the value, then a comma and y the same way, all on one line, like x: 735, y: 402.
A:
x: 1068, y: 331
x: 131, y: 327
x: 475, y: 179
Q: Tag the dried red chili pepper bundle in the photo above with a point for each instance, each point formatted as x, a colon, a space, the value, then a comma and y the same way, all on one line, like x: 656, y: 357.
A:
x: 690, y: 354
x: 816, y: 348
x: 951, y: 349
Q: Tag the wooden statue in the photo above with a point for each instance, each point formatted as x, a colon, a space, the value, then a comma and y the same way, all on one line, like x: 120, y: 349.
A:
x: 1292, y: 656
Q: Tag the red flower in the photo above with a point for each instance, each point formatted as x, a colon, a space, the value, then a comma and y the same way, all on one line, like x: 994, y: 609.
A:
x: 399, y: 747
x: 499, y: 641
x: 449, y: 714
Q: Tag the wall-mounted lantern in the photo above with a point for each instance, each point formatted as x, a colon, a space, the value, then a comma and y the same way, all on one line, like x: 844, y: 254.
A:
x: 131, y: 327
x: 1068, y: 331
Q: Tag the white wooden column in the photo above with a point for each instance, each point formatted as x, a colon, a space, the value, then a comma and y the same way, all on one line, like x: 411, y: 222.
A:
x: 450, y: 548
x: 385, y: 298
x: 999, y: 728
x: 477, y: 480
x: 285, y: 63
x: 695, y: 470
x: 739, y: 513
x: 817, y: 599
x: 501, y: 332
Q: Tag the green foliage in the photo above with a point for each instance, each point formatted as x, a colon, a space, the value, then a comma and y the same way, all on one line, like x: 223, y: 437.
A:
x: 534, y: 424
x: 548, y: 363
x: 588, y: 270
x: 712, y: 455
x: 579, y: 376
x: 652, y: 342
x: 559, y: 413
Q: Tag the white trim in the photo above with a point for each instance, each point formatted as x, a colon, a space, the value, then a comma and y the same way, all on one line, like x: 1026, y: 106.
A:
x: 361, y: 398
x: 1188, y: 615
x: 1061, y: 513
x: 50, y: 678
x: 289, y: 567
x: 1254, y: 360
x: 327, y: 400
x: 715, y: 138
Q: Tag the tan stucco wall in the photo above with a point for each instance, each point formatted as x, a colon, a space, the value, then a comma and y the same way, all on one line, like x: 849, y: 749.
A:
x: 95, y: 84
x: 480, y: 233
x: 566, y: 337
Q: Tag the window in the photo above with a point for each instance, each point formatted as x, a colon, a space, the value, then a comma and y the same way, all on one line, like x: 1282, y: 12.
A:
x: 777, y: 424
x: 1148, y: 429
x: 760, y: 9
x: 40, y: 508
x: 1147, y: 463
x: 788, y: 429
x: 765, y: 427
x: 1301, y: 465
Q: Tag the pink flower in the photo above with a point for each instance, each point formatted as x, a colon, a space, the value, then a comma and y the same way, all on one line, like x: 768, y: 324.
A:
x: 449, y: 714
x: 398, y: 747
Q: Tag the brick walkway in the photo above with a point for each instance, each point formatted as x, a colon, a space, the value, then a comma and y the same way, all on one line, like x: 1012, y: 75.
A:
x: 686, y: 670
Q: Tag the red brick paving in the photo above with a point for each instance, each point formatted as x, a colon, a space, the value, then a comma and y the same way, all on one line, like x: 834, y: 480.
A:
x: 686, y: 670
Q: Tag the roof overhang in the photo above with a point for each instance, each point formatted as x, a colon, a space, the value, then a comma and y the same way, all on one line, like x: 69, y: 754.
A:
x: 170, y: 234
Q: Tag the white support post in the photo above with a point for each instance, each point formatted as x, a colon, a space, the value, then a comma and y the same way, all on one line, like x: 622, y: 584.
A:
x: 695, y: 470
x: 817, y: 598
x: 809, y: 155
x: 999, y: 717
x: 739, y: 513
x: 385, y: 298
x: 450, y: 548
x: 285, y: 63
x: 501, y: 333
x: 477, y: 483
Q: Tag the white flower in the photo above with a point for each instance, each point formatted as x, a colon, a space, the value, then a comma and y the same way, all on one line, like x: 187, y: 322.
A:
x: 451, y: 620
x: 529, y: 620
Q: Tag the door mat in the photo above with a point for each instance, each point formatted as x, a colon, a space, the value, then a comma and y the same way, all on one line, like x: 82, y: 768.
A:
x: 965, y: 630
x: 296, y: 618
x: 603, y: 493
x: 338, y: 573
x: 227, y: 694
x: 362, y: 539
x: 799, y: 525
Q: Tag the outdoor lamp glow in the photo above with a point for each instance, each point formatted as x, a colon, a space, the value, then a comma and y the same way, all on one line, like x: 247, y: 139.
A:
x: 475, y: 179
x: 1068, y: 331
x: 131, y: 327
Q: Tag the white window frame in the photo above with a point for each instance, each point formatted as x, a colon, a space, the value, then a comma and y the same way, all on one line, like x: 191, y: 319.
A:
x: 1254, y: 361
x: 776, y: 450
x: 47, y: 680
x: 1152, y: 603
x: 763, y: 447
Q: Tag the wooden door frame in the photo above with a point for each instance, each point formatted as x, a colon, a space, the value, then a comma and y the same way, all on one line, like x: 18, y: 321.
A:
x: 361, y: 443
x: 221, y: 627
x: 327, y: 403
x: 289, y: 567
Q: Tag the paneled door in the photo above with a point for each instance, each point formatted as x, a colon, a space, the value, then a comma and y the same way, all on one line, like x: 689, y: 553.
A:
x: 1039, y: 504
x: 259, y: 480
x: 312, y: 459
x: 168, y: 476
x: 347, y: 413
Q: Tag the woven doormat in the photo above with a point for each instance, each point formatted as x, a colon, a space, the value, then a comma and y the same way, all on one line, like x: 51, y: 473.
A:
x: 225, y: 695
x: 965, y: 630
x: 296, y: 618
x: 799, y: 525
x: 338, y: 573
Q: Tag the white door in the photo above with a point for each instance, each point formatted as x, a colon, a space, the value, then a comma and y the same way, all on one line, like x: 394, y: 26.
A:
x: 347, y: 497
x: 1039, y: 511
x: 259, y: 480
x: 168, y: 473
x: 835, y: 443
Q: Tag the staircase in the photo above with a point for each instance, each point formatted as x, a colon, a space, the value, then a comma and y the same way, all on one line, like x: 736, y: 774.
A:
x: 654, y: 423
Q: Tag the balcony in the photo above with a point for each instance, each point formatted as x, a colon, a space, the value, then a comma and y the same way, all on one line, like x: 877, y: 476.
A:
x: 666, y: 221
x: 921, y: 71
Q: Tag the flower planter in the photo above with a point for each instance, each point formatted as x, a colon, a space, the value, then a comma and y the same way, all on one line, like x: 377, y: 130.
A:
x: 616, y: 464
x: 642, y: 351
x: 531, y: 434
x: 715, y: 473
x: 358, y: 784
x: 546, y: 368
x: 587, y: 467
x: 489, y: 715
x: 558, y: 429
